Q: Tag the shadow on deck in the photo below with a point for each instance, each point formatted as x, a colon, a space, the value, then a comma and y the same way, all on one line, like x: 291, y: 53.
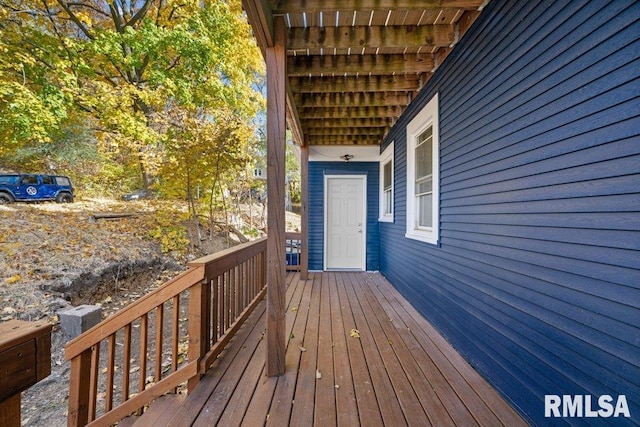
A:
x: 358, y: 354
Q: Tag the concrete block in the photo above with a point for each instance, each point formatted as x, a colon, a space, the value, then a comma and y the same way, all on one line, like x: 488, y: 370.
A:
x: 77, y: 320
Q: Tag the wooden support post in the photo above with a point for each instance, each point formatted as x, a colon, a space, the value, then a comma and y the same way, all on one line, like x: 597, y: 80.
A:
x: 79, y: 384
x: 304, y: 220
x: 199, y: 329
x: 276, y: 140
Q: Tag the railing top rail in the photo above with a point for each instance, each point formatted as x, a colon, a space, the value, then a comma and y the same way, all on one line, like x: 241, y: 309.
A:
x: 226, y: 253
x: 224, y: 260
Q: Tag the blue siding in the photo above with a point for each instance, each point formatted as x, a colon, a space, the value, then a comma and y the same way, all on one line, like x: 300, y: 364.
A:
x: 537, y: 276
x: 317, y: 171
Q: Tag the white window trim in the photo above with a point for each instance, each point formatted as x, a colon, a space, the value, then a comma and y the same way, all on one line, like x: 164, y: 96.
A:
x: 387, y: 156
x: 425, y: 118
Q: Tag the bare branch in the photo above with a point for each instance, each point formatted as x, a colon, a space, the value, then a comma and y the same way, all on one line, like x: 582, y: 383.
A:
x: 141, y: 13
x: 118, y: 20
x: 75, y: 19
x: 90, y: 6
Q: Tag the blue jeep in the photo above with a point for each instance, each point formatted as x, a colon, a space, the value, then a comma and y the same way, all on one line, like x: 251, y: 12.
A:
x: 32, y: 188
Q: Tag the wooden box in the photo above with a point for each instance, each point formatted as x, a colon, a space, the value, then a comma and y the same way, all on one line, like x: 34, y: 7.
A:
x: 25, y: 356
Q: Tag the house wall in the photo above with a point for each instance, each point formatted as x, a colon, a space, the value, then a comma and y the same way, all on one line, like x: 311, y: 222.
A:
x: 536, y: 279
x: 317, y: 171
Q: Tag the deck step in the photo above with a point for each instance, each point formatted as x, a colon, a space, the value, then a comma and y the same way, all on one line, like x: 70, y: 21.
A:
x: 164, y: 407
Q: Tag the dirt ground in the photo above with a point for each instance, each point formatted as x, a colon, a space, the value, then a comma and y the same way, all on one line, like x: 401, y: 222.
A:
x: 54, y: 257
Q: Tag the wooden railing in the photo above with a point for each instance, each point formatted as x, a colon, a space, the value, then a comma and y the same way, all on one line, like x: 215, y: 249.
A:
x: 163, y: 342
x: 293, y: 250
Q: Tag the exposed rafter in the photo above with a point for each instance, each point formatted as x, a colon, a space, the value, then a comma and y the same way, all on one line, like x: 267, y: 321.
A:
x: 335, y: 131
x: 348, y: 123
x: 343, y: 139
x: 425, y: 36
x: 352, y: 99
x: 351, y: 112
x: 364, y: 83
x: 357, y: 64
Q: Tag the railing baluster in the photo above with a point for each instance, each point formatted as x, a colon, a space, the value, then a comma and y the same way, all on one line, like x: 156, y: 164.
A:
x: 93, y: 388
x: 175, y: 335
x: 111, y: 357
x: 214, y: 307
x: 126, y: 362
x: 243, y: 277
x: 142, y: 373
x: 159, y: 341
x: 227, y: 297
x: 232, y: 296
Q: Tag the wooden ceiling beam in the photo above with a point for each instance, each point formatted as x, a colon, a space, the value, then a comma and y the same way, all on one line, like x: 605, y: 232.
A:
x: 350, y: 112
x: 426, y: 36
x: 352, y: 99
x: 343, y: 122
x: 366, y: 131
x: 341, y: 84
x: 359, y: 64
x: 293, y: 118
x: 296, y: 6
x: 260, y: 17
x: 331, y: 140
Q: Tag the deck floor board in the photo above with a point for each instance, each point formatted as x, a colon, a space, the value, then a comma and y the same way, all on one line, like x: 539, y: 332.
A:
x: 399, y: 371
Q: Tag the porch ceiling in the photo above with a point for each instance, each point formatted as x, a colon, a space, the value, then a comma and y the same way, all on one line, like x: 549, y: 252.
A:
x: 354, y: 66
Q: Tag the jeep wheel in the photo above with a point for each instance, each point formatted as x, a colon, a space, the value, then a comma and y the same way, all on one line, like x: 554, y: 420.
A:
x: 6, y: 198
x: 64, y: 198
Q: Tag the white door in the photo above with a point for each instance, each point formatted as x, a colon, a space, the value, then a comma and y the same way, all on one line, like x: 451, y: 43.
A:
x: 345, y: 213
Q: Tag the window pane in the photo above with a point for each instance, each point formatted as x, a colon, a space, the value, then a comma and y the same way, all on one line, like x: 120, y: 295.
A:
x: 387, y: 175
x: 424, y: 157
x: 62, y: 180
x: 428, y: 133
x: 388, y: 202
x: 424, y: 186
x: 425, y: 211
x: 30, y: 179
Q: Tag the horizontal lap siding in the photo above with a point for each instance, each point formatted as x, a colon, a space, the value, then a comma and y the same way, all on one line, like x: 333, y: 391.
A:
x: 537, y: 277
x: 317, y: 171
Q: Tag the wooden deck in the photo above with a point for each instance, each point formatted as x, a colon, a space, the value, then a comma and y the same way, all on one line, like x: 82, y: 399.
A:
x: 358, y: 354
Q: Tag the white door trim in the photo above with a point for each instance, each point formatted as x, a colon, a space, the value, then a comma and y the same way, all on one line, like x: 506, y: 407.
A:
x: 363, y: 178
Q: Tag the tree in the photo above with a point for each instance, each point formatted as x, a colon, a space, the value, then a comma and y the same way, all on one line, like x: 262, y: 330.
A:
x: 131, y: 68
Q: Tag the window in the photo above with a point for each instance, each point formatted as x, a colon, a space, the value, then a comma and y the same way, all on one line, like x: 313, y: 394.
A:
x: 422, y: 175
x: 29, y: 180
x: 46, y: 179
x: 63, y: 180
x: 386, y: 185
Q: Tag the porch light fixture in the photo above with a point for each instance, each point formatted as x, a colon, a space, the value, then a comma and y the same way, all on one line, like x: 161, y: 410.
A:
x: 346, y: 157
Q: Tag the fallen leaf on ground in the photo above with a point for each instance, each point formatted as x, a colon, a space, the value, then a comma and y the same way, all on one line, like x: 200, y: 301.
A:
x: 355, y: 333
x: 13, y: 279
